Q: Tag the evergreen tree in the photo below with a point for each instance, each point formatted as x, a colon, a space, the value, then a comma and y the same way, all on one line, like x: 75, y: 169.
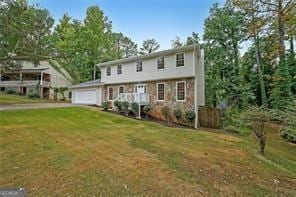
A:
x: 149, y: 46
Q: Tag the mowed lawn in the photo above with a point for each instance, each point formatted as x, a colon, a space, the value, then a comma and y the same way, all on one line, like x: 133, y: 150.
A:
x: 6, y: 99
x: 82, y: 152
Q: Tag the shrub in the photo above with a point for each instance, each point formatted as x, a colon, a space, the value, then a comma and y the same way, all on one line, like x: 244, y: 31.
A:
x: 105, y: 105
x: 256, y: 117
x: 146, y: 110
x: 33, y: 96
x: 178, y: 114
x: 10, y: 91
x: 233, y: 122
x: 118, y: 105
x: 166, y: 112
x: 20, y: 94
x: 124, y: 107
x: 135, y: 108
x: 190, y: 116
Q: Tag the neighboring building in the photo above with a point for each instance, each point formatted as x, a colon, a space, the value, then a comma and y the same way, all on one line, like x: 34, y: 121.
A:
x: 42, y: 79
x: 172, y: 77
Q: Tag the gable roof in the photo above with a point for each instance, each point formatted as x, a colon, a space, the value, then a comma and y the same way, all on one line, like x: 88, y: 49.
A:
x: 150, y: 55
x: 93, y: 83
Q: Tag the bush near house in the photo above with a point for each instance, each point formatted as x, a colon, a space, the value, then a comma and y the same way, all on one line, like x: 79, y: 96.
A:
x: 146, y: 110
x: 10, y: 91
x: 233, y: 122
x: 190, y: 116
x: 135, y: 108
x: 124, y: 107
x: 105, y: 105
x: 166, y: 112
x: 118, y: 105
x: 33, y: 95
x: 178, y: 114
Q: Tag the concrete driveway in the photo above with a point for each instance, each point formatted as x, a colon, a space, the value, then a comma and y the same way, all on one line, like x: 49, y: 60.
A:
x: 34, y: 106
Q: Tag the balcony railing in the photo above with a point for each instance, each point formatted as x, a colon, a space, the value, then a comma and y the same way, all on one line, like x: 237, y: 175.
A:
x: 25, y: 83
x: 140, y: 98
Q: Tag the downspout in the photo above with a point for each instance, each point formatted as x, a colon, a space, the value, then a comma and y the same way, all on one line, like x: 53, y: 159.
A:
x: 196, y: 124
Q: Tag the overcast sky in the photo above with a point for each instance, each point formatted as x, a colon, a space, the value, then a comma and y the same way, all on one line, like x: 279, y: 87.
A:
x: 141, y: 19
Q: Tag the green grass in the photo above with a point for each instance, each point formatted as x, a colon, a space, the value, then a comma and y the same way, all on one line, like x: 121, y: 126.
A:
x: 6, y: 99
x: 82, y: 152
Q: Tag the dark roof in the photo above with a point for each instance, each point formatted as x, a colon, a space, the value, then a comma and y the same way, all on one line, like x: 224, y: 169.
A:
x: 93, y: 83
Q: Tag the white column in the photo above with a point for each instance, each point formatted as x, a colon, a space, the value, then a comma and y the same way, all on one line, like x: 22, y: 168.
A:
x: 41, y: 79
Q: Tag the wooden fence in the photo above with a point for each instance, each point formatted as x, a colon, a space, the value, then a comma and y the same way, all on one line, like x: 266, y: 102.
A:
x: 209, y: 117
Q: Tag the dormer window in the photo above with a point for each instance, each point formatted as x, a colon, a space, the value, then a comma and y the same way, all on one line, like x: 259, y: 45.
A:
x: 179, y: 59
x: 108, y: 71
x: 119, y: 69
x: 160, y: 63
x: 139, y: 66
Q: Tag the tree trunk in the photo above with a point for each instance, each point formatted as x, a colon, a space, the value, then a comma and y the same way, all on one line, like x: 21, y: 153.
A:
x: 291, y: 45
x: 281, y: 29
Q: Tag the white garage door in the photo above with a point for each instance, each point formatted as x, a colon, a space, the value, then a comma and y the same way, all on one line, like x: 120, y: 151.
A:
x: 85, y: 96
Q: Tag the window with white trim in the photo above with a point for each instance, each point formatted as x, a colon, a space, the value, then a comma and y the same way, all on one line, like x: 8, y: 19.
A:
x: 120, y: 90
x: 108, y: 71
x: 160, y: 91
x: 179, y: 59
x: 139, y: 66
x: 119, y: 69
x: 110, y: 93
x: 180, y: 91
x: 160, y: 63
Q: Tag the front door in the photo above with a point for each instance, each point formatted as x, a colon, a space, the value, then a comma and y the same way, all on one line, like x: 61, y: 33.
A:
x: 140, y: 88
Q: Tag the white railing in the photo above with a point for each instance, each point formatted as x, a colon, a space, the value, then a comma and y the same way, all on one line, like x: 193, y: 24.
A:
x: 141, y: 98
x: 24, y: 83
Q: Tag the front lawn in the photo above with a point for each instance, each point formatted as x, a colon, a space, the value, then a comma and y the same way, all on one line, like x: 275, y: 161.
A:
x: 6, y: 99
x: 82, y: 152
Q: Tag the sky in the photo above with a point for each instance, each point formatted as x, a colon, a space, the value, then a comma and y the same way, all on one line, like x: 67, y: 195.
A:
x: 162, y: 20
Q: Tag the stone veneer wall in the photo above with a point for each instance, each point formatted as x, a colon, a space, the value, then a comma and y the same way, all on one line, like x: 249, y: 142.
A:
x: 170, y: 95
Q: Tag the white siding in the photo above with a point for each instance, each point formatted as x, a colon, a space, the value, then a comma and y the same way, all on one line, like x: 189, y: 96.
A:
x: 150, y: 71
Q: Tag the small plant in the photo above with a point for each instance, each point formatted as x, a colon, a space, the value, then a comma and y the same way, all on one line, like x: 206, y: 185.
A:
x: 105, y: 105
x: 178, y: 114
x: 118, y: 105
x: 135, y: 108
x: 33, y: 96
x: 256, y: 117
x: 146, y: 110
x: 190, y: 117
x: 124, y: 107
x: 166, y: 112
x: 10, y: 91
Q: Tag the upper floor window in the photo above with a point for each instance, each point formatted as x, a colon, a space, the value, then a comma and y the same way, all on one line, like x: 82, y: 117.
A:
x: 181, y: 91
x: 108, y: 71
x: 180, y: 59
x: 110, y: 93
x: 160, y: 91
x: 139, y: 66
x: 160, y: 63
x: 119, y: 69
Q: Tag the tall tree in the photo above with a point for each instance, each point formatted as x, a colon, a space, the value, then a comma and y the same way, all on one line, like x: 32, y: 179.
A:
x: 124, y: 46
x: 24, y: 34
x: 176, y: 43
x: 223, y: 32
x: 193, y: 39
x: 149, y: 46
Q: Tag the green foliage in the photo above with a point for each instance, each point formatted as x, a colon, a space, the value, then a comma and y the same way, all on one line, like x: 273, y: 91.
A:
x: 178, y: 114
x: 146, y: 110
x: 149, y: 46
x: 118, y: 105
x: 166, y: 112
x: 281, y: 91
x: 33, y: 95
x: 105, y: 105
x: 233, y: 122
x: 135, y: 108
x: 10, y: 91
x: 25, y: 33
x: 190, y: 117
x: 125, y: 106
x: 256, y: 117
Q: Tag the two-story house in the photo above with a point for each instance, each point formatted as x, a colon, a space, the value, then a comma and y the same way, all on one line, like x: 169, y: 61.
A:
x: 42, y: 78
x: 172, y: 77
